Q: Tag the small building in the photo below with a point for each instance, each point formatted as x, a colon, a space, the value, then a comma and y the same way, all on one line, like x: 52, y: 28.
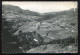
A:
x: 45, y: 25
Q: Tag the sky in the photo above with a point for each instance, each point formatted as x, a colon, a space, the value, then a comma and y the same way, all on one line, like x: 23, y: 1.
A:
x: 43, y: 7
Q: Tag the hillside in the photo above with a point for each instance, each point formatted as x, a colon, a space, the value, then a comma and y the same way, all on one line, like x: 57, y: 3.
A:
x: 29, y: 29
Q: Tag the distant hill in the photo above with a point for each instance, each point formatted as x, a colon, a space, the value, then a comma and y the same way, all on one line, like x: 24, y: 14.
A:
x: 10, y: 12
x: 18, y: 9
x: 28, y: 12
x: 11, y: 8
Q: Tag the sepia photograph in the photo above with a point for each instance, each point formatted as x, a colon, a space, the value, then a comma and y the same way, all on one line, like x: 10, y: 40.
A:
x: 39, y: 27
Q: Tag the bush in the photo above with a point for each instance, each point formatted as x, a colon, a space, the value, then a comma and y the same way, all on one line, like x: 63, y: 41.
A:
x: 67, y: 41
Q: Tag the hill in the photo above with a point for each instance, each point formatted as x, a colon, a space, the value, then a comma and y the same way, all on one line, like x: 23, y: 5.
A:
x: 31, y: 29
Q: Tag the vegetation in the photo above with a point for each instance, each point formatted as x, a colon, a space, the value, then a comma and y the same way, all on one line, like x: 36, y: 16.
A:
x: 19, y: 36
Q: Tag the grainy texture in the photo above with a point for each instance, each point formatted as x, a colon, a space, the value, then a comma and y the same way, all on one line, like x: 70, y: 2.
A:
x: 25, y: 31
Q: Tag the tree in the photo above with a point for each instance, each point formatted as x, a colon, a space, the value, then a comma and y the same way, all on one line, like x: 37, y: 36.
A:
x: 8, y: 38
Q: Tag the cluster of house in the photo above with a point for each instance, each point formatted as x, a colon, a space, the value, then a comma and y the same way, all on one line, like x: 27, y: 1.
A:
x: 33, y: 26
x: 40, y: 25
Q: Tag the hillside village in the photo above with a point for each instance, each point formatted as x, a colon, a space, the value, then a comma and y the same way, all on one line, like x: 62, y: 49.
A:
x: 54, y: 30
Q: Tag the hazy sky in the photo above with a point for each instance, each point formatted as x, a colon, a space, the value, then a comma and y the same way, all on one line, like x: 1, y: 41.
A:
x: 44, y: 7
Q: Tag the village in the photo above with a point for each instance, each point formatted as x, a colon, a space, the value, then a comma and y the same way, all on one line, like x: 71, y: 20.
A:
x: 29, y: 31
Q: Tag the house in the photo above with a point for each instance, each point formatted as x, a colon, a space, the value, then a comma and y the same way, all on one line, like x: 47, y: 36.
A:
x: 45, y: 26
